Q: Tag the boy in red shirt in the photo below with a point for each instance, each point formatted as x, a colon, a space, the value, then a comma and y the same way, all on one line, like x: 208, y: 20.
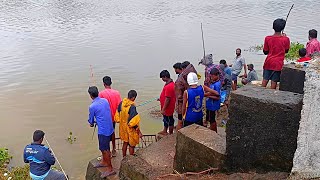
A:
x: 113, y: 97
x: 302, y: 54
x: 275, y: 46
x: 167, y: 101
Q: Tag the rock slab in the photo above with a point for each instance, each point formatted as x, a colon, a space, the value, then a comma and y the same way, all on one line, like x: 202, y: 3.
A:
x: 150, y: 162
x: 292, y: 79
x: 197, y: 149
x: 306, y: 162
x: 262, y: 130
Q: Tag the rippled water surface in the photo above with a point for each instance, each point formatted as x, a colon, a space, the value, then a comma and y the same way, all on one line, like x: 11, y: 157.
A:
x: 47, y: 47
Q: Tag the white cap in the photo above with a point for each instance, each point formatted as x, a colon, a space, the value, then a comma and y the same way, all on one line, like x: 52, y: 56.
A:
x: 192, y: 78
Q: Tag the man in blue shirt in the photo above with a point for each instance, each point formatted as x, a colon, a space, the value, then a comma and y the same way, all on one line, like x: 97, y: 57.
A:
x: 40, y: 159
x: 100, y: 111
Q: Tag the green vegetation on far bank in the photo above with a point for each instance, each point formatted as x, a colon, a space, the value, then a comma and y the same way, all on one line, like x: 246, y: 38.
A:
x: 292, y: 55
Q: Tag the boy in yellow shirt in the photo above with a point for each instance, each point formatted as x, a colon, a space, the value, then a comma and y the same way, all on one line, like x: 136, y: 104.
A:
x: 128, y: 119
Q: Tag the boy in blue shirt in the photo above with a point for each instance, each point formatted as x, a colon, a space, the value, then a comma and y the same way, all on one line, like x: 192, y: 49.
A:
x: 213, y: 102
x: 100, y: 113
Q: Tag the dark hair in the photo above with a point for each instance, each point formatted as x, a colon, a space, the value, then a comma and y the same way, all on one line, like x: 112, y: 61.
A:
x: 279, y: 24
x: 185, y: 64
x: 214, y: 71
x: 38, y: 135
x: 93, y: 91
x: 313, y: 33
x: 238, y: 49
x: 177, y: 66
x: 251, y: 66
x: 107, y: 80
x: 302, y: 52
x: 164, y: 74
x: 222, y: 61
x: 132, y: 94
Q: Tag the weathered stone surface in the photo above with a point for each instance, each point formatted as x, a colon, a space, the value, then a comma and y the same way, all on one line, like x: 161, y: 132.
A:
x: 292, y: 79
x: 150, y: 162
x: 306, y: 162
x: 95, y: 173
x: 262, y: 130
x: 197, y: 149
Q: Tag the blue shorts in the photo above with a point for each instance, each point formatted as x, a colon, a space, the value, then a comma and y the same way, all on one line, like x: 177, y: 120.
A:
x: 271, y: 75
x: 188, y: 123
x: 104, y: 142
x: 234, y: 77
x: 168, y: 121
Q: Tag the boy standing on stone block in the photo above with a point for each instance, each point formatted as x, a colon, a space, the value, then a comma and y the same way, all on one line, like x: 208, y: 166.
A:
x: 193, y: 101
x: 129, y: 120
x: 275, y: 46
x: 213, y: 102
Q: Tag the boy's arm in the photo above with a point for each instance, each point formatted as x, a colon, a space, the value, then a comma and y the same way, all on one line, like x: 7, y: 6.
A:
x: 117, y: 115
x: 245, y: 68
x: 25, y: 156
x: 211, y: 91
x: 184, y: 104
x: 91, y: 117
x: 265, y: 47
x: 287, y: 45
x: 49, y: 158
x: 134, y: 117
x: 214, y: 97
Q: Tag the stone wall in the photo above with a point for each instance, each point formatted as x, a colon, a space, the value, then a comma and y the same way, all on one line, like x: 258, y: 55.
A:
x: 197, y: 149
x: 262, y: 130
x: 306, y: 162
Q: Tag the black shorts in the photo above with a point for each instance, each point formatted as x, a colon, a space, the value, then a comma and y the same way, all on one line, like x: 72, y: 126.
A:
x: 180, y: 116
x: 104, y: 142
x: 114, y: 125
x: 211, y: 116
x: 271, y: 75
x: 168, y: 121
x: 188, y: 123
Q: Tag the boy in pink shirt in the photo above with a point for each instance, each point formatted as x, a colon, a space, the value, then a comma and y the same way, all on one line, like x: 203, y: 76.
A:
x: 114, y: 99
x: 313, y: 45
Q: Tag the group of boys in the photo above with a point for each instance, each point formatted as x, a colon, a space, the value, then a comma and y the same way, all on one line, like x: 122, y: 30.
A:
x: 106, y: 110
x: 277, y: 45
x: 185, y: 95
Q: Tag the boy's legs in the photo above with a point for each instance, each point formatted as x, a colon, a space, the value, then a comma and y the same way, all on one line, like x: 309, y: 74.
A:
x: 114, y: 140
x: 131, y: 150
x: 124, y: 148
x: 165, y: 125
x: 171, y: 124
x: 104, y: 147
x: 234, y: 78
x: 211, y: 117
x: 53, y: 175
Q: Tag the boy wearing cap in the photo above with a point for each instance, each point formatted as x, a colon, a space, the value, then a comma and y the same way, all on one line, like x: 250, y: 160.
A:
x: 192, y: 101
x: 252, y: 75
x: 213, y: 102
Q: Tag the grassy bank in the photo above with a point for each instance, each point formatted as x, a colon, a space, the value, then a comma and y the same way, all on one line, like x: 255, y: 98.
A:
x: 15, y: 173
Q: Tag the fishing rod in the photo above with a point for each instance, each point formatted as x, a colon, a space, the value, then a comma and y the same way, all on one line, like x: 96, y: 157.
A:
x: 93, y: 82
x: 204, y: 50
x: 147, y: 102
x: 56, y: 158
x: 288, y: 15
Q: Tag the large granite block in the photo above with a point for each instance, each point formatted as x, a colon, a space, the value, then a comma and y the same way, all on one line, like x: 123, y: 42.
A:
x: 306, y: 162
x: 262, y: 130
x: 292, y: 79
x: 197, y: 149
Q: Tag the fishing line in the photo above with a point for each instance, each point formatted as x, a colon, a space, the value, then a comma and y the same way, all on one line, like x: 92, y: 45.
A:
x: 56, y: 158
x: 147, y: 102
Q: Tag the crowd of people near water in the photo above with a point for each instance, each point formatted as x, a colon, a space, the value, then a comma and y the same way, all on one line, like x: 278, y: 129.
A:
x: 185, y: 96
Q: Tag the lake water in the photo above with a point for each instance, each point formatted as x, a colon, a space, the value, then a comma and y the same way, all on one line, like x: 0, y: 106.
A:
x: 47, y: 47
